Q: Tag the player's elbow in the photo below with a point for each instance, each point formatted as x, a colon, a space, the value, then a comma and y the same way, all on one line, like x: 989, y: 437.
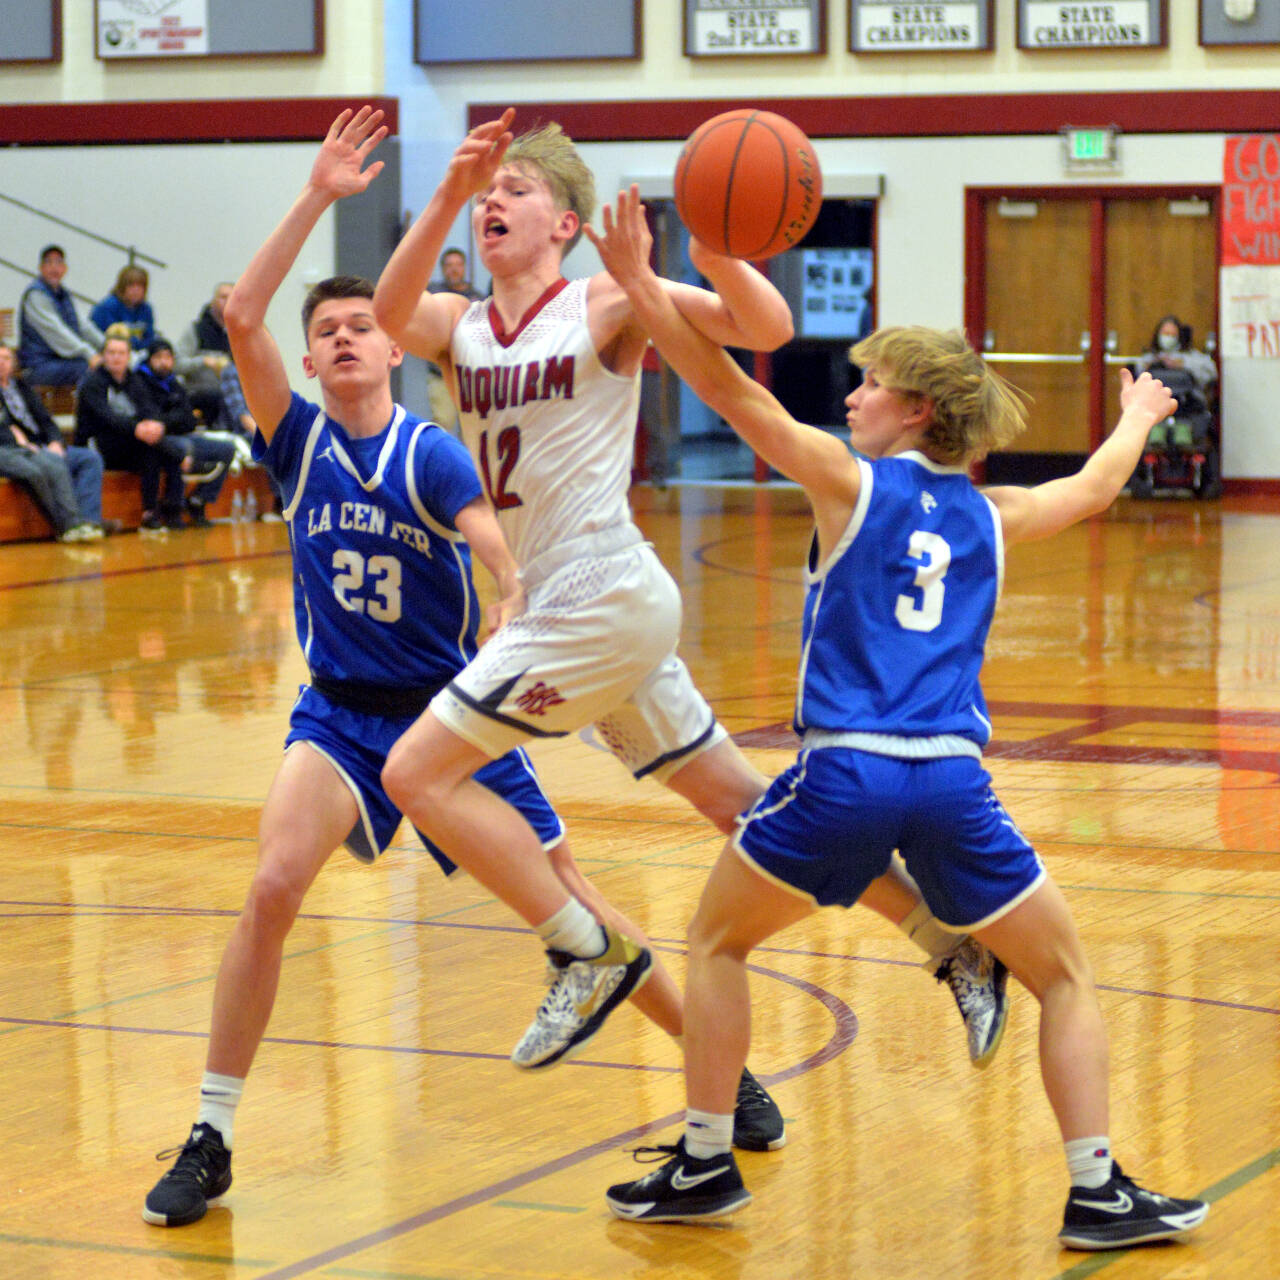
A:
x: 241, y: 314
x: 389, y: 314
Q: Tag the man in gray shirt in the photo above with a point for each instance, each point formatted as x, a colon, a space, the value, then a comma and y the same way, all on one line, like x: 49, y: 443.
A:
x: 58, y: 346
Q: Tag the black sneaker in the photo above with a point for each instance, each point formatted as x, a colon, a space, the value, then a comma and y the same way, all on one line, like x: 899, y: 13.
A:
x: 201, y: 1173
x: 196, y: 517
x: 757, y: 1122
x: 1121, y: 1213
x: 684, y: 1189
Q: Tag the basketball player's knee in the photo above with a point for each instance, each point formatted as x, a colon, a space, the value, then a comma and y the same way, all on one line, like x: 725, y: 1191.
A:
x: 274, y: 900
x: 408, y: 787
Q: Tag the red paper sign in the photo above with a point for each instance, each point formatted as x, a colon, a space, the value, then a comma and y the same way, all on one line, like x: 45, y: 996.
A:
x: 1251, y: 201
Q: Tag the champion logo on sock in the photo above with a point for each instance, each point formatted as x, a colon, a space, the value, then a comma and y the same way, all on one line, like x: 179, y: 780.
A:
x: 1101, y: 1154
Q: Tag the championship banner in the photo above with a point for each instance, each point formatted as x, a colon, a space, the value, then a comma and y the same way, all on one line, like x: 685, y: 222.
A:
x: 720, y: 27
x: 153, y: 28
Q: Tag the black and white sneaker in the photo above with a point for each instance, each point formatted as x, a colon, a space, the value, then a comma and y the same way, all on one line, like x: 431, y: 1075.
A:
x: 757, y: 1122
x: 1120, y: 1213
x: 201, y: 1173
x: 979, y: 981
x: 684, y: 1189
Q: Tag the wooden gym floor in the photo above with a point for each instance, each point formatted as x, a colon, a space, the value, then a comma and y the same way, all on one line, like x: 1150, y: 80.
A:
x: 1134, y: 676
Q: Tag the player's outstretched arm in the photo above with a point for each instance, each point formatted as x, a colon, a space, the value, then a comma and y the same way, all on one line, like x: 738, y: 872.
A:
x: 422, y: 322
x: 1046, y: 509
x: 339, y: 170
x: 745, y: 310
x: 814, y: 459
x: 478, y: 524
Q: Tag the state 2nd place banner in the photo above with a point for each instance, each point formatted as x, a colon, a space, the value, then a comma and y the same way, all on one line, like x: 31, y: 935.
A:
x: 152, y: 28
x: 716, y: 28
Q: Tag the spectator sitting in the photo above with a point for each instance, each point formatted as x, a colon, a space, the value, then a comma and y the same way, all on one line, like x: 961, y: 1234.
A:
x: 236, y: 417
x: 202, y: 351
x: 127, y: 304
x: 1171, y: 349
x: 57, y: 347
x: 239, y: 425
x: 65, y: 482
x: 207, y: 456
x: 113, y: 411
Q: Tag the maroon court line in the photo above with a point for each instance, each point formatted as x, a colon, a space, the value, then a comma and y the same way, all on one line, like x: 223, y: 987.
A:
x: 842, y: 1037
x: 1064, y: 746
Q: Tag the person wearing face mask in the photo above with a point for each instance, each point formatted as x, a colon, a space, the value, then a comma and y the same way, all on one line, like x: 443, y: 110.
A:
x: 1171, y: 349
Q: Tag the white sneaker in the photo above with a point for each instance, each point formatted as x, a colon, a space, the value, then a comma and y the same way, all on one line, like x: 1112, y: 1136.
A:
x: 583, y: 994
x: 978, y: 980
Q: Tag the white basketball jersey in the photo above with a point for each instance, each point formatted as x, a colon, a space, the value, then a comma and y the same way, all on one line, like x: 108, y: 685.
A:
x: 550, y: 428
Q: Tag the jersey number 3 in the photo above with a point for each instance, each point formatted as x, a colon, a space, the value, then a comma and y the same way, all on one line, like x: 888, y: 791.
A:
x: 369, y: 586
x: 924, y: 612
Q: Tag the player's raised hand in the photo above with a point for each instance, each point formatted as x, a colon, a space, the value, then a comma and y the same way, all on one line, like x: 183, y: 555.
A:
x: 1147, y: 394
x: 626, y: 244
x: 478, y: 157
x: 339, y: 169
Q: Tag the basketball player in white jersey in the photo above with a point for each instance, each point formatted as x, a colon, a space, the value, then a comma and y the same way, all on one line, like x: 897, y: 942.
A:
x: 546, y: 378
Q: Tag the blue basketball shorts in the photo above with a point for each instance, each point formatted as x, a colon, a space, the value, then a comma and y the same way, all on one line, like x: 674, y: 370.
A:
x: 357, y: 745
x: 829, y: 825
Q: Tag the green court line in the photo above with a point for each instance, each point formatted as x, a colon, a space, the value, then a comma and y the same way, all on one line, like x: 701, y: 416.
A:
x: 1218, y: 1191
x: 136, y: 1251
x: 362, y: 1274
x: 544, y: 1208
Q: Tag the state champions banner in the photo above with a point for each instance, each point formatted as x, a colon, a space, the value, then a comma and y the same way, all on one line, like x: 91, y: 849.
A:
x: 1249, y: 278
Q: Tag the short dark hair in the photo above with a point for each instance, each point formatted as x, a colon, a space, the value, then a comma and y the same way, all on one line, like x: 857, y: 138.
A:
x: 52, y: 248
x: 454, y: 251
x: 333, y: 287
x: 159, y: 344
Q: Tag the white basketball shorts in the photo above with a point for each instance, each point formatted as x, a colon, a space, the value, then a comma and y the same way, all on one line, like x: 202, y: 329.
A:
x: 596, y: 645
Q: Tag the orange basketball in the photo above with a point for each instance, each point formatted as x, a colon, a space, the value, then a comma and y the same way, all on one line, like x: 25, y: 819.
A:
x: 748, y: 184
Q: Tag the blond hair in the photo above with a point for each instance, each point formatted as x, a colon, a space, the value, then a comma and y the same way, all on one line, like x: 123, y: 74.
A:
x: 975, y: 410
x: 548, y: 153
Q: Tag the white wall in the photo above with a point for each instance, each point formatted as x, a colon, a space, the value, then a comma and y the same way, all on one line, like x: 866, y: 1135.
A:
x: 204, y: 210
x: 208, y: 226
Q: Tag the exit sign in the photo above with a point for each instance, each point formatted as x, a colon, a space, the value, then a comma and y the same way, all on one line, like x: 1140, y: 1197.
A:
x: 1091, y: 150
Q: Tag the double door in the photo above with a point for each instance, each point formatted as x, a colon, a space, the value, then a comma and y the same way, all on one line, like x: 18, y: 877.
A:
x: 1064, y: 286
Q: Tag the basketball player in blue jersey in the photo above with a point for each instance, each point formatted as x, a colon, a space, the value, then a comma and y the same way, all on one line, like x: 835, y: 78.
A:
x: 901, y: 585
x: 546, y: 377
x: 377, y: 502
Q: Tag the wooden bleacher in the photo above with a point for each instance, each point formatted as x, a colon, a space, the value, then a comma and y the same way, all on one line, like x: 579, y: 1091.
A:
x: 21, y: 520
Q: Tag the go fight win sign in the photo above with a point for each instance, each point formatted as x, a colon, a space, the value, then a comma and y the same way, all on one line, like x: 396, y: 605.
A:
x: 1250, y: 275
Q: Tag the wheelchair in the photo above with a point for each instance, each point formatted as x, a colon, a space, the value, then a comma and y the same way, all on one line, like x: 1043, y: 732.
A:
x: 1182, y: 453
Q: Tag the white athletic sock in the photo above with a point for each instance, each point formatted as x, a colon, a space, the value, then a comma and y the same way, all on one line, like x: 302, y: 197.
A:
x: 219, y: 1097
x: 574, y: 929
x: 925, y: 931
x: 707, y: 1134
x: 1089, y: 1160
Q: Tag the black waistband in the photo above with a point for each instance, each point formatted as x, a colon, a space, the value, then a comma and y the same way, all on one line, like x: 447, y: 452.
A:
x: 391, y: 701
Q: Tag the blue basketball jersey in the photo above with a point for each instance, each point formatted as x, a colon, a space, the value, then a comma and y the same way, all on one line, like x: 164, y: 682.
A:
x: 896, y: 619
x: 381, y: 577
